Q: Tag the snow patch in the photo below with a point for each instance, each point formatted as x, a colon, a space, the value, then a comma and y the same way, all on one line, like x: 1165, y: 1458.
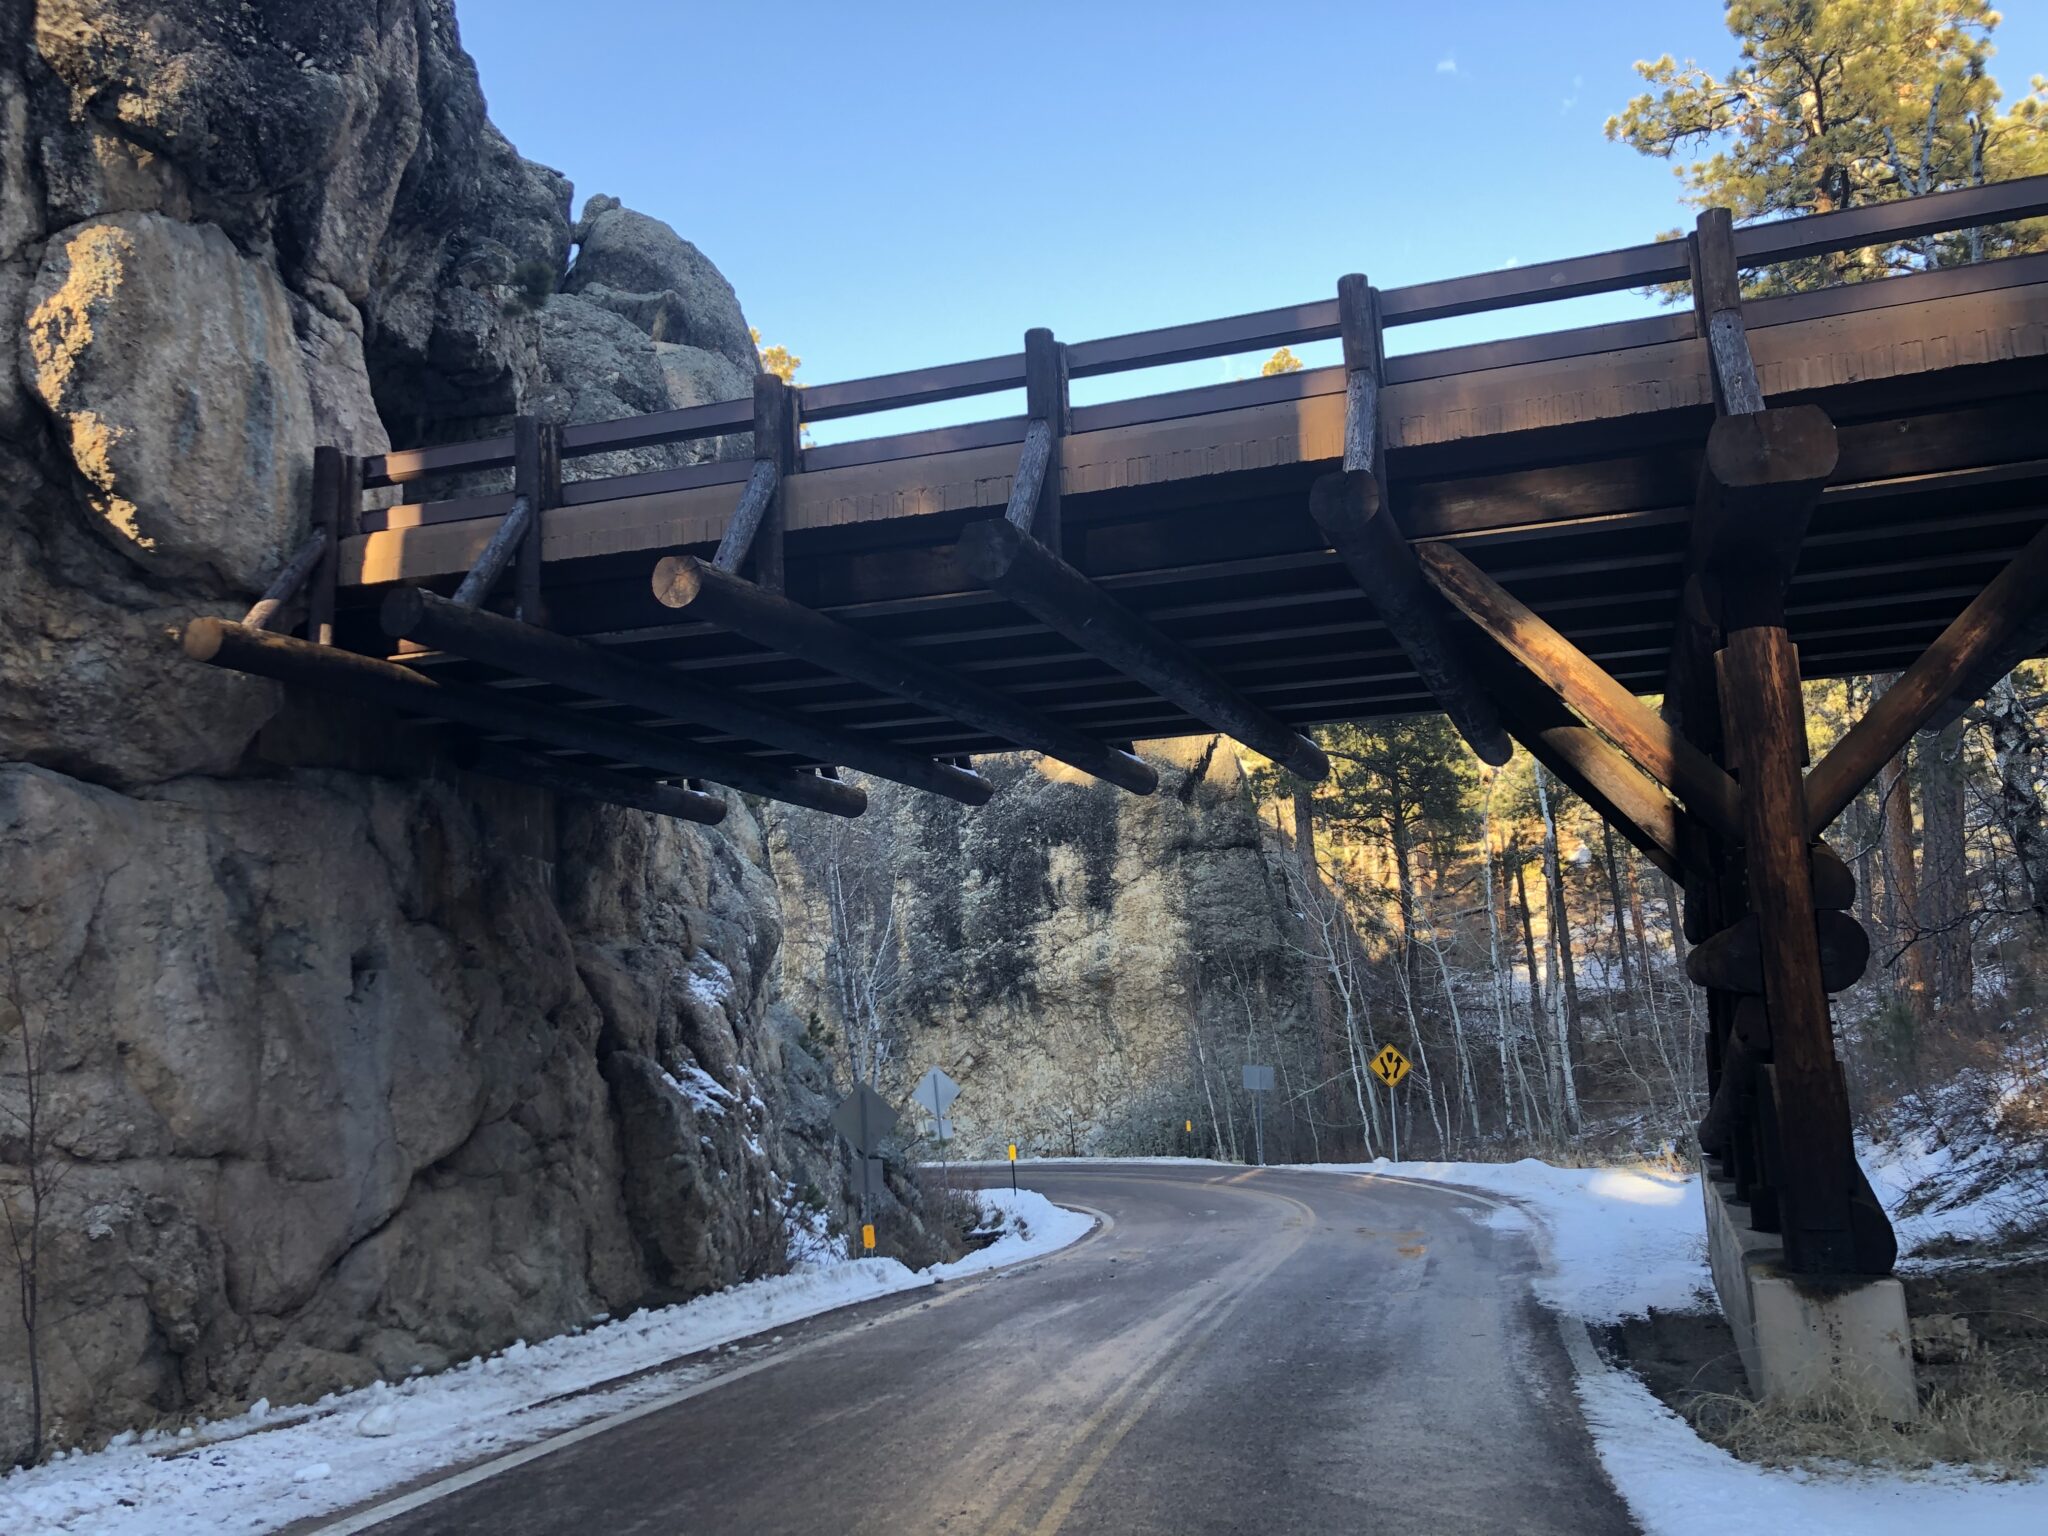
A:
x: 351, y: 1446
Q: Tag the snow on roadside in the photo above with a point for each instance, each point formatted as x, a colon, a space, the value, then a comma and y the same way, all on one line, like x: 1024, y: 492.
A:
x: 1619, y: 1241
x: 1623, y: 1239
x: 265, y: 1469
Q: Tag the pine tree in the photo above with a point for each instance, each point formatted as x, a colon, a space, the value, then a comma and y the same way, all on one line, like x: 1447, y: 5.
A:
x: 1838, y: 103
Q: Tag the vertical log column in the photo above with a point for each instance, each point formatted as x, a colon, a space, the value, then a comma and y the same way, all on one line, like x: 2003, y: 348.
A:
x: 778, y: 439
x: 1045, y: 399
x: 330, y: 476
x: 537, y: 476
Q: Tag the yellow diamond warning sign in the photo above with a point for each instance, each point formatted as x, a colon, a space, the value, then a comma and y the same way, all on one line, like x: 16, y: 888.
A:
x: 1390, y: 1066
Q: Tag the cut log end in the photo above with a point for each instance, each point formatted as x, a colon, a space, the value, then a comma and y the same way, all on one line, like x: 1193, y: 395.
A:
x: 677, y: 580
x: 1783, y: 445
x: 1344, y: 501
x: 988, y: 548
x: 202, y: 638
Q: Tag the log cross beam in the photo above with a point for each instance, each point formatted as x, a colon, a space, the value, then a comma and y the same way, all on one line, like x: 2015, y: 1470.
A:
x: 756, y: 529
x: 1018, y: 555
x: 1970, y: 655
x: 1351, y: 510
x: 493, y: 712
x: 412, y: 614
x: 1653, y: 744
x: 1006, y: 559
x: 772, y: 620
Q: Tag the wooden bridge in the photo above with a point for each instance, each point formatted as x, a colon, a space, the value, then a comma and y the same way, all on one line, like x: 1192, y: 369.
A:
x: 1527, y: 534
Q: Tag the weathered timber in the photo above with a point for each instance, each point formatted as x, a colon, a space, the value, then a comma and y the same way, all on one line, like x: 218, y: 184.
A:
x: 1348, y: 509
x: 2013, y: 605
x: 1759, y: 480
x: 412, y: 614
x: 1007, y: 559
x: 753, y: 506
x: 778, y: 437
x: 1594, y: 771
x: 285, y: 585
x: 1656, y: 747
x: 392, y: 686
x: 1025, y: 485
x: 1717, y: 300
x: 770, y: 619
x: 505, y: 546
x: 562, y: 778
x: 1358, y: 327
x: 1045, y: 399
x: 1733, y: 959
x: 527, y: 473
x: 1761, y: 705
x: 329, y: 475
x: 1718, y: 1130
x: 1834, y: 883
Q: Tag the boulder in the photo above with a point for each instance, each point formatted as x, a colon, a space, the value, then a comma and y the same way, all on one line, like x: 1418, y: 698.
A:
x: 172, y: 368
x: 672, y: 292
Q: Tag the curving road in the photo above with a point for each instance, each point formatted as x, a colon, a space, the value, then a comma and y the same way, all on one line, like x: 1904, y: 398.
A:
x: 1233, y: 1351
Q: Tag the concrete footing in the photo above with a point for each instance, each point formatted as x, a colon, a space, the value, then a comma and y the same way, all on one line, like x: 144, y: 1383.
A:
x: 1800, y: 1338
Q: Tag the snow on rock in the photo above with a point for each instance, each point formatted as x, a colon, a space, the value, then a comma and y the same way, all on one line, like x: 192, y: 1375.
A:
x: 254, y: 1473
x: 699, y: 1088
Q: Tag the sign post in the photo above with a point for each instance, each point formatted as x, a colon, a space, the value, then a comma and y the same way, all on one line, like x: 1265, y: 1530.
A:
x: 1390, y: 1066
x: 1258, y: 1080
x: 1013, y: 1168
x: 935, y: 1093
x: 865, y: 1120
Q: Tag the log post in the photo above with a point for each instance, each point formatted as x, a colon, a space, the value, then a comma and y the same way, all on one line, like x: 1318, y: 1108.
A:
x: 1764, y: 713
x: 527, y: 474
x: 1045, y: 399
x: 329, y: 486
x: 1717, y: 305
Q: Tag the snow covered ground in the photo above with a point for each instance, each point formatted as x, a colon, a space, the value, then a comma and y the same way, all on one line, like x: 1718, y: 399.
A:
x: 1617, y: 1242
x: 265, y: 1469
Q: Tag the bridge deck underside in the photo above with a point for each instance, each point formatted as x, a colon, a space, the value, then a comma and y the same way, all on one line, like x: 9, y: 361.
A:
x: 1943, y: 477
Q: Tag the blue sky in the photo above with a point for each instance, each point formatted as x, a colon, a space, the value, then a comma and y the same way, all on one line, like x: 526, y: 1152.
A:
x: 895, y: 185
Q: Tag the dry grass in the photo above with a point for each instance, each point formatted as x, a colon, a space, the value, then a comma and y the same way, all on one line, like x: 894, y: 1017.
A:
x: 1979, y: 1419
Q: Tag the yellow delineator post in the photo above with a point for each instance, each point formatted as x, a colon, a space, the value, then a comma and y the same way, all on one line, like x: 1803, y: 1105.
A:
x: 867, y: 1237
x: 1013, y: 1167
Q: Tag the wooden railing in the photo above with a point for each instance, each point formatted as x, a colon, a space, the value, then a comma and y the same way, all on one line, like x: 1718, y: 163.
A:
x: 1632, y: 267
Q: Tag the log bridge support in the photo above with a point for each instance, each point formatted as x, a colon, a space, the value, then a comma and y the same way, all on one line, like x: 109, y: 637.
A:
x: 1713, y: 790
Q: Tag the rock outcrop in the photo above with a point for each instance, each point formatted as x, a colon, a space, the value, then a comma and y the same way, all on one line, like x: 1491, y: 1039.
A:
x: 350, y: 1063
x: 1083, y: 961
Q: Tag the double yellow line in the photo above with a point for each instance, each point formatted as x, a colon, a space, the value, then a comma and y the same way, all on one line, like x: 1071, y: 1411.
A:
x: 1184, y: 1330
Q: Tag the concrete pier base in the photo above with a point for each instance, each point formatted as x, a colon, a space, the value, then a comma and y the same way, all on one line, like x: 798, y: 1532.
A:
x: 1800, y: 1338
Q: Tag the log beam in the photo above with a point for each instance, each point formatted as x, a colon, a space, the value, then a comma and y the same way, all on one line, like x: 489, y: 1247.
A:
x: 412, y: 614
x: 1594, y: 771
x: 507, y: 544
x: 562, y: 778
x: 391, y: 686
x: 1717, y: 303
x: 2014, y: 605
x: 1350, y: 508
x: 755, y: 533
x: 1654, y: 744
x: 1008, y: 560
x: 772, y: 620
x: 285, y: 585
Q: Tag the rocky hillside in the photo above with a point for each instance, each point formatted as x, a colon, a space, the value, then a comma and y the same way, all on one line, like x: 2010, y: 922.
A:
x: 1093, y: 967
x: 325, y: 1060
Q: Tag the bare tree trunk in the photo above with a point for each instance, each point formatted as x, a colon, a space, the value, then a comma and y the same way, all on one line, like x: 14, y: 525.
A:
x: 1944, y: 886
x: 1573, y: 1022
x: 2018, y: 747
x: 1902, y: 884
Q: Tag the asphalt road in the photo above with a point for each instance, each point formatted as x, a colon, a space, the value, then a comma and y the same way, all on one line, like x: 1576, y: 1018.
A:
x: 1235, y: 1351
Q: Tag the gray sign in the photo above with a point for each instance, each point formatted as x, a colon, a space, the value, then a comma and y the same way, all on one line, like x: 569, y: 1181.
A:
x: 1258, y: 1079
x: 864, y: 1120
x: 864, y: 1181
x: 936, y: 1092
